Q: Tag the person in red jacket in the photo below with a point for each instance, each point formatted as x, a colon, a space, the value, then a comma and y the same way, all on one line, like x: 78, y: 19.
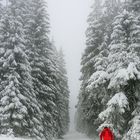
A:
x: 106, y: 134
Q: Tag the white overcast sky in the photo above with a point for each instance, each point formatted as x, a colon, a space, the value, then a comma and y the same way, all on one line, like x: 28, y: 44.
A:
x: 68, y: 25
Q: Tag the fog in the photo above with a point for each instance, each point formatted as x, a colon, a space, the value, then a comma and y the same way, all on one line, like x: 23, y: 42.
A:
x: 68, y: 25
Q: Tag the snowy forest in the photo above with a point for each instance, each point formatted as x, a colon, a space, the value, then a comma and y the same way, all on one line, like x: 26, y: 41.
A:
x: 34, y: 93
x: 110, y: 81
x: 34, y: 85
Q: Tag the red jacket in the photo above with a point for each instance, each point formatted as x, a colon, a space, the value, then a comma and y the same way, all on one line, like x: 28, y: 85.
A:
x: 106, y: 134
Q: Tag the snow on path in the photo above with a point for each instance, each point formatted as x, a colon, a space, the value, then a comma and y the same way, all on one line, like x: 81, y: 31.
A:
x: 11, y: 138
x: 77, y: 136
x: 73, y: 135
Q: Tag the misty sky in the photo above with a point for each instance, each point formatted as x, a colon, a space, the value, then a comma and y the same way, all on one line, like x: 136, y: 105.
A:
x: 68, y: 25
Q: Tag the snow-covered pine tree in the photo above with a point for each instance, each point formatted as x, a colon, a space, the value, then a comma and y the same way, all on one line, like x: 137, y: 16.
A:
x: 124, y: 60
x: 134, y: 131
x: 94, y: 94
x: 94, y: 39
x: 53, y: 74
x: 63, y: 96
x: 18, y: 104
x: 60, y: 88
x: 112, y: 116
x: 41, y: 54
x: 94, y: 36
x: 124, y: 49
x: 99, y: 77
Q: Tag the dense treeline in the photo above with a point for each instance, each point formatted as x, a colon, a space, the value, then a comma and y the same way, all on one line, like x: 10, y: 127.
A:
x: 110, y: 88
x: 34, y: 95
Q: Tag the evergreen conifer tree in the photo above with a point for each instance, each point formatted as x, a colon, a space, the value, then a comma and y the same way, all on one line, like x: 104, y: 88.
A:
x: 94, y: 36
x: 94, y: 62
x: 38, y: 52
x: 112, y: 117
x: 134, y: 131
x: 18, y: 101
x: 123, y: 68
x: 44, y: 67
x: 63, y: 96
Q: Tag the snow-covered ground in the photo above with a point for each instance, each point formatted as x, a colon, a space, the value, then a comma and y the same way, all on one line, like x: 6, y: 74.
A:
x: 77, y: 136
x: 11, y: 138
x: 70, y: 136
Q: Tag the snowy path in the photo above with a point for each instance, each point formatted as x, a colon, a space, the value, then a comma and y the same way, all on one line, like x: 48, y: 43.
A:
x: 69, y: 136
x: 76, y: 136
